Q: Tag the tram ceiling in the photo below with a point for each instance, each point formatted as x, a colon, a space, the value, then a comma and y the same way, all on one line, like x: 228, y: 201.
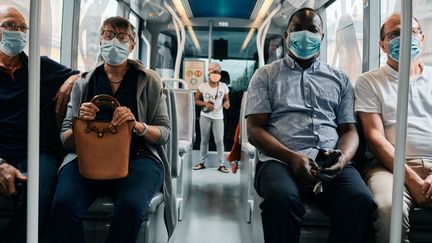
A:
x: 197, y: 10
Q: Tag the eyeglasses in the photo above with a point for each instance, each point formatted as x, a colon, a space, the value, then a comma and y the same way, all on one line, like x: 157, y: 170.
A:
x: 396, y: 33
x: 122, y: 37
x: 12, y: 26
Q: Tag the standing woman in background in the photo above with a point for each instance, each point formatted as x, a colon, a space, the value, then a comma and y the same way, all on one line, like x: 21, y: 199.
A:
x: 212, y: 97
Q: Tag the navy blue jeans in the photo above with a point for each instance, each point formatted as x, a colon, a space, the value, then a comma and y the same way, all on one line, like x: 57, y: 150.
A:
x: 131, y: 196
x: 16, y: 230
x: 346, y: 200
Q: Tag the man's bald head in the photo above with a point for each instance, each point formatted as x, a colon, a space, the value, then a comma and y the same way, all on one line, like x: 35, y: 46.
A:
x: 394, y: 21
x: 8, y: 13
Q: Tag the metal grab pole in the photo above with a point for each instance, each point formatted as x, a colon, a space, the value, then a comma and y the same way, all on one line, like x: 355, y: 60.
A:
x: 261, y: 34
x: 33, y: 124
x: 181, y: 38
x: 401, y: 123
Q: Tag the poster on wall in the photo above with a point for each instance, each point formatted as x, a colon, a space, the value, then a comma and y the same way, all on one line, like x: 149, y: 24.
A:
x: 193, y: 73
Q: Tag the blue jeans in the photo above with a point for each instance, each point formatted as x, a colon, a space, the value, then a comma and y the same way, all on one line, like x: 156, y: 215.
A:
x: 131, y: 196
x: 16, y: 230
x: 346, y: 200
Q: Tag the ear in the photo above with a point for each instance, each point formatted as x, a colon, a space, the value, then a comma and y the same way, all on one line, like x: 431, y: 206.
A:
x: 383, y: 46
x: 422, y: 39
x: 132, y: 46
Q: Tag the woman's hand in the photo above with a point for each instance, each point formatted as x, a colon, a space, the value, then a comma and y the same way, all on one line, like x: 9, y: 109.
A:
x: 121, y: 115
x: 209, y: 106
x: 226, y: 104
x: 88, y: 111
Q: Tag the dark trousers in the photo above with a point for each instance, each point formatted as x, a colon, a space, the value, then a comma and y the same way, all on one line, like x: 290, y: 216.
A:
x: 131, y: 196
x: 16, y: 230
x: 346, y: 200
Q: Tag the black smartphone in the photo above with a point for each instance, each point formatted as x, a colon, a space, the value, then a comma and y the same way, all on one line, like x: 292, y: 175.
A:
x: 325, y: 161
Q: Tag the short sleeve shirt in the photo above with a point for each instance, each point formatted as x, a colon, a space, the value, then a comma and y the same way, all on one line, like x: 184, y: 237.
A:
x: 376, y: 92
x: 305, y: 106
x: 214, y: 95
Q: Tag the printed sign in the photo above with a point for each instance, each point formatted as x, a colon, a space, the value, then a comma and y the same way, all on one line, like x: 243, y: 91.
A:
x: 193, y: 72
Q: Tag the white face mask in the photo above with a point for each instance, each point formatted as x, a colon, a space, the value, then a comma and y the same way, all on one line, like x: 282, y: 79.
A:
x: 215, y: 77
x: 114, y: 52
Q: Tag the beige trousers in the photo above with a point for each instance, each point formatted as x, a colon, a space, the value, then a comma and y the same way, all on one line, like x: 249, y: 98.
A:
x: 380, y: 182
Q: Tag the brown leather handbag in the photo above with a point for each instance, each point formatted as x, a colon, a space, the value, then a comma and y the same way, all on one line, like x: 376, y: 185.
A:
x: 102, y: 149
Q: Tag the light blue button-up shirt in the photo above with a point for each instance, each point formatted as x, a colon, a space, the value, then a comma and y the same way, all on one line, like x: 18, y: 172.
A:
x: 305, y: 106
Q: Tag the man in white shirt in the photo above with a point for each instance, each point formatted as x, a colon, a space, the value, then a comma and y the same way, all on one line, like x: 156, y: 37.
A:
x: 212, y: 97
x: 376, y: 101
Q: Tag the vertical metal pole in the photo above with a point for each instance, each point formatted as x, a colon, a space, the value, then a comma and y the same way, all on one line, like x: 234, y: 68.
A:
x: 33, y: 124
x: 181, y: 38
x: 210, y: 42
x: 401, y: 123
x: 371, y: 28
x: 70, y: 30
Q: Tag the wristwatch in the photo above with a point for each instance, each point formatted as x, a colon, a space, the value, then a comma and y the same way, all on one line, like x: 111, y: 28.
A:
x: 146, y: 128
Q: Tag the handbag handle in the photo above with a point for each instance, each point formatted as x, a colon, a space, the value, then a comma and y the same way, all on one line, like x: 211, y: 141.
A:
x: 103, y: 100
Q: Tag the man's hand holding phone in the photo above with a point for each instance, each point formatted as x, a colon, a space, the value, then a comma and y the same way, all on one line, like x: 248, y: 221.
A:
x: 330, y: 163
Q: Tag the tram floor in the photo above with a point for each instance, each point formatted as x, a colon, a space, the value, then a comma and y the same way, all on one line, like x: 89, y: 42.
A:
x: 214, y: 212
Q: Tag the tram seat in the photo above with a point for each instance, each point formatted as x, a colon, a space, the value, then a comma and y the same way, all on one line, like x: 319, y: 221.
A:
x: 421, y: 225
x: 168, y: 145
x: 98, y: 217
x: 185, y: 112
x: 247, y: 160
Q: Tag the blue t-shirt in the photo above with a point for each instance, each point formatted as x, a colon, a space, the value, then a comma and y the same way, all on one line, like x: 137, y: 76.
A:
x: 305, y: 106
x: 14, y: 108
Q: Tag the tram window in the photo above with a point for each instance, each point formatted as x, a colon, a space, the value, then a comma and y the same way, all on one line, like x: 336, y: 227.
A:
x: 422, y: 10
x: 166, y: 56
x: 50, y: 24
x: 345, y: 31
x: 134, y: 19
x: 273, y: 48
x: 93, y: 13
x: 240, y: 71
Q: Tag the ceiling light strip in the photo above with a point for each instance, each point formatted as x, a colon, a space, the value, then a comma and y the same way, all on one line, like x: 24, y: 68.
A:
x: 187, y: 8
x: 256, y: 9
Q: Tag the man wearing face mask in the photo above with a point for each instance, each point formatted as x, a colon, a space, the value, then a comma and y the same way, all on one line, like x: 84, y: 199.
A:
x: 296, y: 107
x: 376, y: 101
x: 56, y: 82
x: 213, y: 97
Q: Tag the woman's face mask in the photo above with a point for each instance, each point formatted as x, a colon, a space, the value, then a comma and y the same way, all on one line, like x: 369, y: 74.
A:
x: 215, y: 77
x: 394, y: 48
x: 12, y: 42
x: 304, y: 44
x: 114, y: 52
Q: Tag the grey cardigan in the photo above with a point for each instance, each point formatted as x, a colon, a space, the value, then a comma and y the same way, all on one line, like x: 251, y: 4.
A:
x: 152, y: 110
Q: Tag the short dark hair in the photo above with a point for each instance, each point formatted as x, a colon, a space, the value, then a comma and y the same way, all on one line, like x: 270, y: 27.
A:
x: 383, y: 25
x: 299, y: 11
x: 118, y: 22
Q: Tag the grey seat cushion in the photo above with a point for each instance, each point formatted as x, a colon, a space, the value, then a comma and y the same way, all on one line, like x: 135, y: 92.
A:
x: 103, y: 208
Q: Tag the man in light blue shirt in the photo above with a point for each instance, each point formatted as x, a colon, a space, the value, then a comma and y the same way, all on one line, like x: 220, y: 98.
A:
x: 300, y: 117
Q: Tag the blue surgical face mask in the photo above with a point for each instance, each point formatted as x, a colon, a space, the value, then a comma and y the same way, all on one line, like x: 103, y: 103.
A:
x: 394, y: 45
x: 304, y: 44
x: 12, y: 42
x: 114, y: 52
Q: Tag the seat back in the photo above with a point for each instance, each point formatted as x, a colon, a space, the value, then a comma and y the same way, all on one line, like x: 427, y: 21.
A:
x: 168, y: 145
x: 185, y: 114
x: 175, y: 168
